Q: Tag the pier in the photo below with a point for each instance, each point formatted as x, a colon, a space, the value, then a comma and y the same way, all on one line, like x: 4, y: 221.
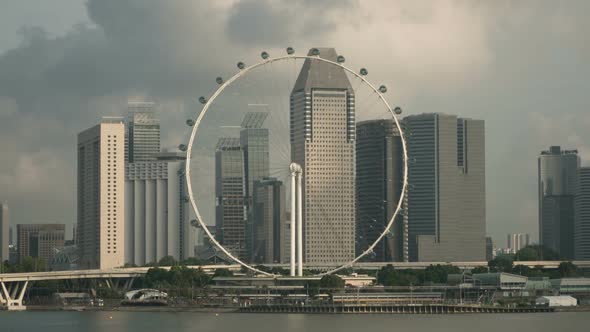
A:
x: 389, y: 309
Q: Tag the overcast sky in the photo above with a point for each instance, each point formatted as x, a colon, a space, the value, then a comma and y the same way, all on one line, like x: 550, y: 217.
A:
x: 522, y: 66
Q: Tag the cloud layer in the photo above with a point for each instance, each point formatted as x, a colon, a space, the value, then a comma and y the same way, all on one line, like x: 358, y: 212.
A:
x: 522, y: 67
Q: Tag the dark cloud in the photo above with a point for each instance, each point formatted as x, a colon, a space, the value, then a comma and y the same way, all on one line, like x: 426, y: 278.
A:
x: 520, y: 66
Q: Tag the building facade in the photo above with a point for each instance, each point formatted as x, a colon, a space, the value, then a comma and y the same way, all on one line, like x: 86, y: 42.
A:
x: 101, y: 195
x: 230, y: 193
x: 557, y: 172
x: 143, y: 132
x: 269, y: 218
x: 515, y: 242
x: 254, y: 142
x: 4, y: 233
x: 379, y: 181
x: 582, y: 215
x: 322, y: 123
x: 40, y: 241
x: 446, y: 198
x: 156, y: 214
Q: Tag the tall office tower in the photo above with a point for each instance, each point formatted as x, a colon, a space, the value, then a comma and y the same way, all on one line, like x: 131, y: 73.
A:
x: 446, y: 198
x: 557, y: 177
x: 156, y: 214
x: 379, y: 180
x: 40, y: 241
x: 143, y: 132
x: 4, y: 232
x: 269, y: 221
x: 489, y: 249
x: 101, y: 195
x: 255, y: 146
x: 230, y: 192
x: 515, y: 242
x: 582, y: 215
x: 323, y: 143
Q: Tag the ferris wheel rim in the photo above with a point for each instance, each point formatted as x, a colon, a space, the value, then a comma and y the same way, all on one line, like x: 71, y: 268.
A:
x: 242, y: 72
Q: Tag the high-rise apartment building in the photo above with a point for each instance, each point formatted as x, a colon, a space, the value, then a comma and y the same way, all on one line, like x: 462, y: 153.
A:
x: 515, y: 242
x: 230, y: 193
x: 269, y: 221
x: 379, y: 180
x: 40, y: 241
x: 489, y: 249
x: 323, y: 142
x: 4, y: 232
x: 101, y: 195
x: 557, y: 178
x: 156, y: 214
x: 446, y: 198
x: 582, y: 215
x: 143, y: 132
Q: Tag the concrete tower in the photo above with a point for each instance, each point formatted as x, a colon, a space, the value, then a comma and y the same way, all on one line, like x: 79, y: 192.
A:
x: 323, y: 143
x: 446, y: 198
x: 143, y: 132
x: 4, y: 232
x: 557, y: 181
x: 101, y: 195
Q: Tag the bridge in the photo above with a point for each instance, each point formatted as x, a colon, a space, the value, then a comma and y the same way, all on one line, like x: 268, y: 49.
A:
x: 13, y: 286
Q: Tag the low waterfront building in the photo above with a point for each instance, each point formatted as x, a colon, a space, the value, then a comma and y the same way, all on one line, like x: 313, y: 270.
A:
x: 557, y: 301
x: 571, y: 286
x: 502, y: 281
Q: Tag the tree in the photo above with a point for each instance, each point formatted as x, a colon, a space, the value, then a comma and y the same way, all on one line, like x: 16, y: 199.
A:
x: 479, y: 269
x: 389, y: 276
x: 331, y: 281
x: 31, y: 264
x: 223, y: 273
x: 167, y: 261
x: 537, y: 252
x: 567, y: 270
x: 438, y: 273
x: 527, y: 253
x: 502, y: 263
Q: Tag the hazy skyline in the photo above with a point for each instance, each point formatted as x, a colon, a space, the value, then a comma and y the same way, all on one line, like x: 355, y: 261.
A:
x: 520, y: 66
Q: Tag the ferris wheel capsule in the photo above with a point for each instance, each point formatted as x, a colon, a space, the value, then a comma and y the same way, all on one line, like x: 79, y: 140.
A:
x: 340, y: 59
x: 264, y: 55
x: 383, y: 89
x: 290, y: 50
x: 190, y: 122
x: 315, y: 52
x: 219, y: 80
x: 364, y: 71
x: 182, y: 147
x: 241, y: 65
x: 202, y: 100
x: 397, y: 110
x: 195, y: 223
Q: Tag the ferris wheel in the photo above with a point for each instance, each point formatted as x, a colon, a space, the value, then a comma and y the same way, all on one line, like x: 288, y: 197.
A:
x: 242, y: 91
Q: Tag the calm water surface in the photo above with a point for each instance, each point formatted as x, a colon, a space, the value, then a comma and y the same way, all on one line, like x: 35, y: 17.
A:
x: 203, y: 322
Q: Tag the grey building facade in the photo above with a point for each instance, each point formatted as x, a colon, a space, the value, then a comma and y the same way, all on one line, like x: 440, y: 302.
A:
x: 446, y: 198
x: 557, y: 174
x: 269, y: 224
x: 4, y: 233
x: 156, y: 214
x: 40, y: 241
x: 379, y: 180
x: 322, y: 125
x: 582, y: 215
x: 230, y: 194
x: 143, y: 132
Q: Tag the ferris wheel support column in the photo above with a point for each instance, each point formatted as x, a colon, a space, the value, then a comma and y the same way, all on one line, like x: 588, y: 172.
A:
x: 299, y: 225
x: 293, y: 224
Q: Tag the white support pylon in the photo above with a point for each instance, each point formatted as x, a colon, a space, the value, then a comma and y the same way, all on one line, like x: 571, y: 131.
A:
x: 293, y: 224
x: 299, y: 225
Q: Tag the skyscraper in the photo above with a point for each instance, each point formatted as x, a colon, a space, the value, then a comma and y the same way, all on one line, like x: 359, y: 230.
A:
x: 230, y: 193
x: 446, y: 198
x: 4, y: 232
x: 582, y: 215
x: 40, y: 241
x: 515, y: 242
x: 101, y: 195
x: 269, y: 221
x: 323, y: 142
x: 143, y: 132
x: 379, y: 179
x: 255, y: 147
x: 156, y: 215
x: 557, y: 177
